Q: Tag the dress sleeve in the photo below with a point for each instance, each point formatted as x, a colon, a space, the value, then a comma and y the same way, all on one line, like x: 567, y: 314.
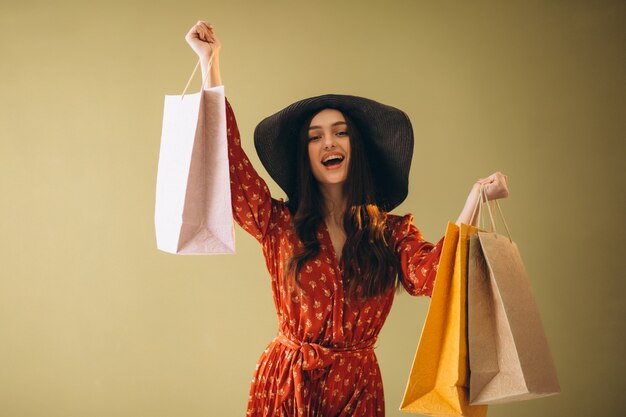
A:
x: 418, y: 258
x: 251, y: 199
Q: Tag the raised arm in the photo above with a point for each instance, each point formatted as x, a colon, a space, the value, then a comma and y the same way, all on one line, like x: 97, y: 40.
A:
x: 204, y: 42
x: 251, y: 199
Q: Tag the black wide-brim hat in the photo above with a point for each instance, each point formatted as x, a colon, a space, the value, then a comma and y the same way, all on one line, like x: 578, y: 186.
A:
x: 386, y: 131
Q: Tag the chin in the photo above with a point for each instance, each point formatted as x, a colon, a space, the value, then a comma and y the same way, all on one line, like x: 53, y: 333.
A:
x: 324, y: 178
x: 331, y: 182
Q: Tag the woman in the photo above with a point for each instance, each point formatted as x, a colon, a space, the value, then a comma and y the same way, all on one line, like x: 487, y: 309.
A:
x: 334, y: 252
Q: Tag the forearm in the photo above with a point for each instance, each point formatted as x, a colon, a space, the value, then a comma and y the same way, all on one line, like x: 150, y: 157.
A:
x: 250, y: 196
x: 214, y: 78
x: 468, y: 209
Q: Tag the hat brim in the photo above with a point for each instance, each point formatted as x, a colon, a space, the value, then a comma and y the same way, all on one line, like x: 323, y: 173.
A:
x: 387, y: 134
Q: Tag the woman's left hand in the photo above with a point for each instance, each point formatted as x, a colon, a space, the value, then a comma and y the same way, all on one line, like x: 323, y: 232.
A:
x: 496, y: 185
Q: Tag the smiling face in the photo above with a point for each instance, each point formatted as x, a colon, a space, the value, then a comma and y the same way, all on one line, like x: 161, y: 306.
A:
x: 329, y: 147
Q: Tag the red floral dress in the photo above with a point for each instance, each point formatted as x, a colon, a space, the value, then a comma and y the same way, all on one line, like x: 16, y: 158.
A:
x: 322, y: 361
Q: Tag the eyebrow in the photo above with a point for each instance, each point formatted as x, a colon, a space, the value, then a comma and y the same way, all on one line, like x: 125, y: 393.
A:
x: 334, y: 124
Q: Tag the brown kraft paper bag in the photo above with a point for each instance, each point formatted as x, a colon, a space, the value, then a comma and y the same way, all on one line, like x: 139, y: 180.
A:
x: 509, y: 355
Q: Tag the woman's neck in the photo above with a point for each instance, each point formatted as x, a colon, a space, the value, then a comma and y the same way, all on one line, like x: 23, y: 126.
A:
x: 335, y: 202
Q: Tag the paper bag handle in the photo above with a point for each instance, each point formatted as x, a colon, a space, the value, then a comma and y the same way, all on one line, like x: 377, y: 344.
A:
x: 479, y: 206
x: 206, y: 77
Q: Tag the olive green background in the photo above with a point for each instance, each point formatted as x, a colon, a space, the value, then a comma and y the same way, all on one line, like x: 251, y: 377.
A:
x: 95, y: 321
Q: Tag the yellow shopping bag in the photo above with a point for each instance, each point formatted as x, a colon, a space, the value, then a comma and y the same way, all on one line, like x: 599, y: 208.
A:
x: 439, y: 380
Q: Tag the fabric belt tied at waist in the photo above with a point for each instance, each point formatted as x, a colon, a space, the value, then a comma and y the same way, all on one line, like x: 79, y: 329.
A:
x: 315, y: 356
x: 312, y: 358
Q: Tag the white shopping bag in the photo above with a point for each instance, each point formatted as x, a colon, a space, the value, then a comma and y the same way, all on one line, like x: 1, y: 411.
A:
x: 193, y: 213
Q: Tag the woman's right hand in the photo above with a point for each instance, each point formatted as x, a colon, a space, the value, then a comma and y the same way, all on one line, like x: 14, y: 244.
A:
x: 201, y: 37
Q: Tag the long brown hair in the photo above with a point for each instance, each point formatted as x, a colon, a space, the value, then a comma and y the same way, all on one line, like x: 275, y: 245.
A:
x: 370, y: 266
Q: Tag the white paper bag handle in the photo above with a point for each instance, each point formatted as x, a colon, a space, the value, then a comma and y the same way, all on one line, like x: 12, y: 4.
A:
x: 206, y: 77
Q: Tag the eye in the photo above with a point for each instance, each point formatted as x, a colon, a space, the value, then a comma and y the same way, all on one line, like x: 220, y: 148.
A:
x: 342, y: 133
x: 312, y: 138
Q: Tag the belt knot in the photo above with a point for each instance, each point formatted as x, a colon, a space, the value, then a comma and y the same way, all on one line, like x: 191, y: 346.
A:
x: 312, y: 358
x: 316, y: 356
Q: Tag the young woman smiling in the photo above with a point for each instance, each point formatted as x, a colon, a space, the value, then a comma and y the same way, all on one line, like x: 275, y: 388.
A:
x: 334, y: 252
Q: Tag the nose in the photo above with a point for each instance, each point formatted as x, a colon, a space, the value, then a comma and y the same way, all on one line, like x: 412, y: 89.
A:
x: 329, y: 141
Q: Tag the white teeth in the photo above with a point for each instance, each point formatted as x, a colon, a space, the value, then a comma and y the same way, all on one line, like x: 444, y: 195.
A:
x: 328, y: 158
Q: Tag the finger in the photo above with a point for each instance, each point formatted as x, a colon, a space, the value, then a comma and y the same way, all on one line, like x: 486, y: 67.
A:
x: 209, y: 37
x: 198, y: 27
x: 208, y: 29
x: 193, y: 32
x: 206, y: 34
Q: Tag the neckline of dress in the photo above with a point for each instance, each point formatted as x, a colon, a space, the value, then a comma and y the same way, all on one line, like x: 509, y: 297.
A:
x: 331, y: 246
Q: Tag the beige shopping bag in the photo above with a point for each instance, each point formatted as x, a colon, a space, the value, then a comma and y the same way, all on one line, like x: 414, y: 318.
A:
x: 193, y: 213
x: 509, y: 355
